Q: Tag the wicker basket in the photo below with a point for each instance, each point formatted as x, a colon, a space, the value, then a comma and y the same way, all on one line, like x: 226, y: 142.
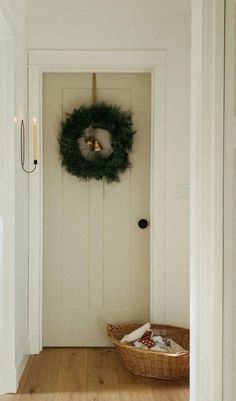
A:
x: 153, y: 363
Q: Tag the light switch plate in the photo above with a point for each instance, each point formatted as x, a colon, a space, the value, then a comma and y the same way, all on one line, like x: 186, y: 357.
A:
x: 182, y: 191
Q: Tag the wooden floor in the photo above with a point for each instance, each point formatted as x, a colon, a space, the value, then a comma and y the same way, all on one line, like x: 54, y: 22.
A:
x: 89, y: 374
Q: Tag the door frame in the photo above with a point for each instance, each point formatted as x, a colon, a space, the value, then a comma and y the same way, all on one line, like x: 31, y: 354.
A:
x: 153, y: 62
x: 206, y: 201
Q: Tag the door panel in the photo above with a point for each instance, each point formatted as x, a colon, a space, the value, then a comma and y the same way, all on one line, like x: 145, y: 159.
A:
x: 96, y: 259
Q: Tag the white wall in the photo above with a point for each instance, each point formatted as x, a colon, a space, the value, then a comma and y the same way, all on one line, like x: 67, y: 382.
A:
x: 139, y: 24
x: 14, y: 13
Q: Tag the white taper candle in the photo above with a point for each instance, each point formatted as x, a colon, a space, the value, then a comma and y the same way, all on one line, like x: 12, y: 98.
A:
x: 35, y: 140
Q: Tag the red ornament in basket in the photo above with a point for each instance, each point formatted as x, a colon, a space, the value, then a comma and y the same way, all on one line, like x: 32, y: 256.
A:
x: 146, y: 339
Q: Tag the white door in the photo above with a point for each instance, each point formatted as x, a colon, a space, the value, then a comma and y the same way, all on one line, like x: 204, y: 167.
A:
x: 95, y: 258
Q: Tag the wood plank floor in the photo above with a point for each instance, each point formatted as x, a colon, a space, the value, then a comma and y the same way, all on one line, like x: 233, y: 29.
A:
x: 89, y: 374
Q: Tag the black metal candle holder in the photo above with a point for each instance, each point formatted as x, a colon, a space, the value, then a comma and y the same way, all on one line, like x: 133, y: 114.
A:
x: 22, y: 136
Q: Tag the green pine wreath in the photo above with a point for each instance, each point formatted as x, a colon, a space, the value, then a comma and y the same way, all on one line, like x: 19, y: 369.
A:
x: 104, y: 116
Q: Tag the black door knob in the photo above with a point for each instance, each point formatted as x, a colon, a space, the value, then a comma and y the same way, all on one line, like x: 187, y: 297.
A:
x: 143, y: 223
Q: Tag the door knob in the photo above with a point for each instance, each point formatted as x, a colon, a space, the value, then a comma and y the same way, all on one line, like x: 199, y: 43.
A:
x: 142, y: 223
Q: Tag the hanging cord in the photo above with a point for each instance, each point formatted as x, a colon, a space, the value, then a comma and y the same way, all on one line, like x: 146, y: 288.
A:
x: 22, y: 138
x: 94, y: 88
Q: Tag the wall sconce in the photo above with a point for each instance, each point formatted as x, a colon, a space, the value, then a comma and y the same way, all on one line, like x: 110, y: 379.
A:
x: 35, y: 146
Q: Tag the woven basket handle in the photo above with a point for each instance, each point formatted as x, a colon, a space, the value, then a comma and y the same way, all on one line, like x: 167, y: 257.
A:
x: 112, y: 330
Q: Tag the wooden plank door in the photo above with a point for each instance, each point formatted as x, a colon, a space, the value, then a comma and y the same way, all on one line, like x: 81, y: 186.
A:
x: 95, y: 257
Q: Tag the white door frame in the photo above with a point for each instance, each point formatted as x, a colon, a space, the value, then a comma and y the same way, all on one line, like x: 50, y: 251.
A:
x: 206, y: 203
x: 229, y: 206
x: 8, y: 374
x: 153, y: 62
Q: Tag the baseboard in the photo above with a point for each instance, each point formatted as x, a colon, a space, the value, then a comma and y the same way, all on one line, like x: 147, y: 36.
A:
x: 10, y: 375
x: 20, y: 365
x: 8, y: 380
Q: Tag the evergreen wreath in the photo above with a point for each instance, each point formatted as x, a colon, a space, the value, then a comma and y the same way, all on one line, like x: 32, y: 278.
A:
x: 104, y: 116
